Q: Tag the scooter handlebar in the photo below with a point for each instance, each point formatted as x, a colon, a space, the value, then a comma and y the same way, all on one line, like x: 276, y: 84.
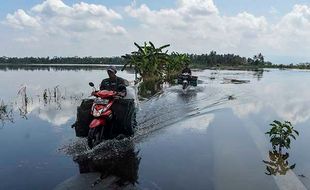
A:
x: 112, y: 93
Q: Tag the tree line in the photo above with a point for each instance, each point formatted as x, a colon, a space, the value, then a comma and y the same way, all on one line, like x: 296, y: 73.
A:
x: 228, y: 60
x: 61, y: 60
x: 208, y: 60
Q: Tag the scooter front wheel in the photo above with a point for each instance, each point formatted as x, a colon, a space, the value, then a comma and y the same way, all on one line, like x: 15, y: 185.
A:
x: 185, y: 85
x: 94, y: 137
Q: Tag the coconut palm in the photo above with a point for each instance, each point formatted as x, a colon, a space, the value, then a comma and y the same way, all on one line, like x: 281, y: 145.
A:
x: 259, y: 59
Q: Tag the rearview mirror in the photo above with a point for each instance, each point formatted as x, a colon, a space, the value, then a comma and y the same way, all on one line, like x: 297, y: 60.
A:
x: 91, y: 84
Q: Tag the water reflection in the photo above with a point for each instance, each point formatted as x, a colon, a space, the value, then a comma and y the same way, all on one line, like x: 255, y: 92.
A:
x: 149, y: 88
x: 120, y: 163
x: 281, y: 95
x: 258, y: 74
x: 51, y: 105
x: 278, y: 163
x: 187, y: 96
x: 274, y: 96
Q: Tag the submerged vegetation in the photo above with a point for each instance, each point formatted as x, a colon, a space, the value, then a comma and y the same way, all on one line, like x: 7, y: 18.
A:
x: 280, y: 137
x: 51, y: 99
x: 6, y: 114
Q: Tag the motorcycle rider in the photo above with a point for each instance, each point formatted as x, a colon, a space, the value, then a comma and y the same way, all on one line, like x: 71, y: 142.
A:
x: 117, y: 84
x: 114, y: 83
x: 186, y: 70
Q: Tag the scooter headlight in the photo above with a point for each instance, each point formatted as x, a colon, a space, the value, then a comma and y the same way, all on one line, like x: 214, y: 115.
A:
x: 98, y: 112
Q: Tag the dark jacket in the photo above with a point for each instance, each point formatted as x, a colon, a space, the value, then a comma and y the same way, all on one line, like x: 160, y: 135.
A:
x: 118, y: 85
x: 187, y: 70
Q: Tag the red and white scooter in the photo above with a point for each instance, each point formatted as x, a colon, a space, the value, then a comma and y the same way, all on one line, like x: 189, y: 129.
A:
x: 102, y: 113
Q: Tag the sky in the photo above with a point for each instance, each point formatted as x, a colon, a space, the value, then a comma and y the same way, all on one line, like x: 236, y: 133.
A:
x: 279, y: 29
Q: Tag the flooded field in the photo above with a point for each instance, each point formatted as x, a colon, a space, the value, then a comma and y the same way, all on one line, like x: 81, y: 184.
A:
x: 209, y: 137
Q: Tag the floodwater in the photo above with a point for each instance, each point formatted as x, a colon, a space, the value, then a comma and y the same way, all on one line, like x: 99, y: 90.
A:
x: 209, y: 137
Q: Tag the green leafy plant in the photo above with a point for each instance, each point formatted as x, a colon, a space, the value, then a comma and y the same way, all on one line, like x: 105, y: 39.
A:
x: 154, y: 66
x: 280, y: 137
x: 152, y: 63
x: 176, y: 63
x: 281, y: 133
x: 149, y: 61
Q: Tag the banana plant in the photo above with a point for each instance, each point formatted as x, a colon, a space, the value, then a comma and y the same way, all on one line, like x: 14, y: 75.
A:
x: 177, y: 62
x: 149, y: 61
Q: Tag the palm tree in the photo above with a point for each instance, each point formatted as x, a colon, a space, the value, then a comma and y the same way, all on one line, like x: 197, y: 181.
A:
x: 258, y: 59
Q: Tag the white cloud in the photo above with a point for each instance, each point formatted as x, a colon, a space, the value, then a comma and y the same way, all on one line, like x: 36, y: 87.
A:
x: 57, y: 8
x: 291, y: 34
x: 55, y: 17
x: 51, y: 7
x: 194, y: 26
x: 20, y: 19
x: 180, y: 16
x: 197, y: 7
x: 56, y: 28
x: 246, y: 21
x: 198, y: 24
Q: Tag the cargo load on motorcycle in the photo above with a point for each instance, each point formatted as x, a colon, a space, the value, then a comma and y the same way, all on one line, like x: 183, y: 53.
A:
x: 187, y: 80
x: 107, y: 116
x: 124, y: 120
